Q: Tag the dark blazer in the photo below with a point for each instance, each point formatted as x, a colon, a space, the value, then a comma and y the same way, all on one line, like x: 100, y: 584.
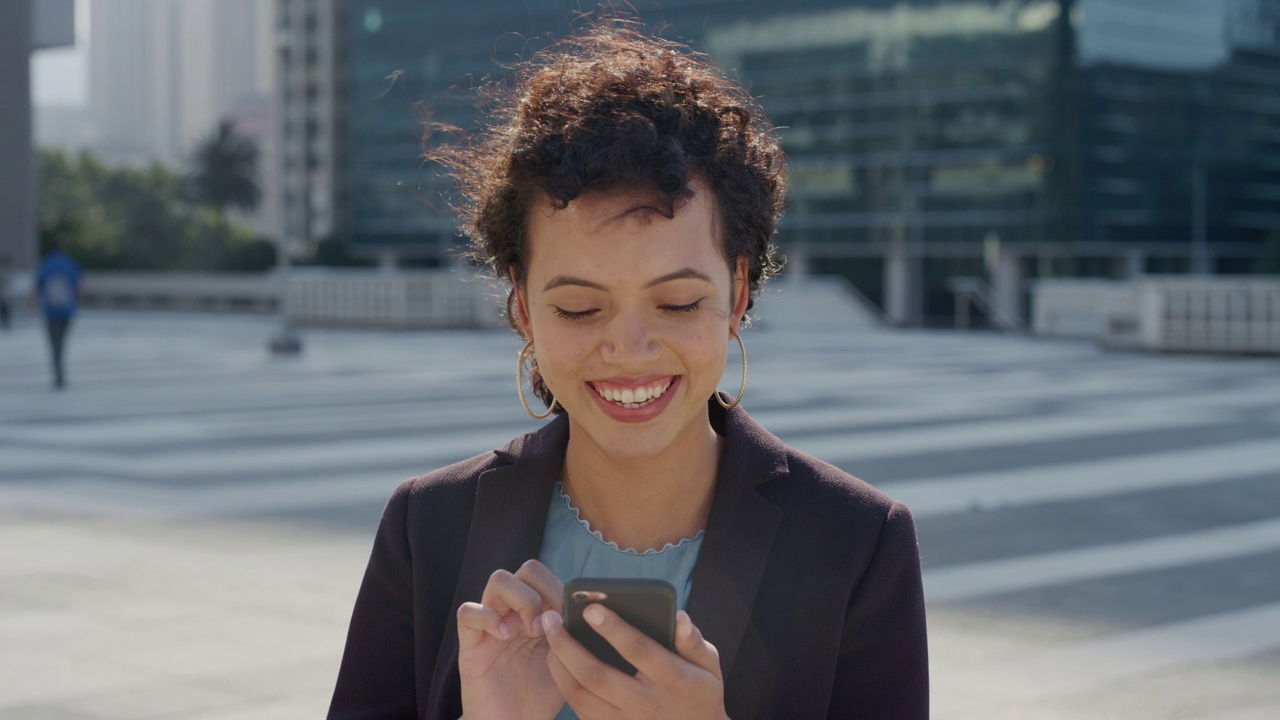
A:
x: 808, y: 582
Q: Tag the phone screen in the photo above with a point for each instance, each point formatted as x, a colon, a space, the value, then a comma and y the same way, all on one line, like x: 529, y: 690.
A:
x: 648, y: 605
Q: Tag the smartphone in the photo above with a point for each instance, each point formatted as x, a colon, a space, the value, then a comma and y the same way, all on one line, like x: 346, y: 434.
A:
x: 648, y: 605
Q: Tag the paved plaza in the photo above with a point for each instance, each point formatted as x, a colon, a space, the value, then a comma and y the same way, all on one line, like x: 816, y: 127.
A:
x: 183, y: 529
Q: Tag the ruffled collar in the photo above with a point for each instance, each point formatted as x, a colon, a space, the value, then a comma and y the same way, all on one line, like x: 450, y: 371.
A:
x: 577, y: 514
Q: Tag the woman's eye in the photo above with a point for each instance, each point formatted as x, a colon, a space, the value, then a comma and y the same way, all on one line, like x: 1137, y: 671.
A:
x: 677, y: 309
x: 574, y: 315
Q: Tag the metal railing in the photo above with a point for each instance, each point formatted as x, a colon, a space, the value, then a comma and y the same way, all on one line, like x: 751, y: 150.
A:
x: 975, y: 292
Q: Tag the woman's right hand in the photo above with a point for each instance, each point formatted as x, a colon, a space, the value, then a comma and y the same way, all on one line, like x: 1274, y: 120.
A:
x: 502, y: 649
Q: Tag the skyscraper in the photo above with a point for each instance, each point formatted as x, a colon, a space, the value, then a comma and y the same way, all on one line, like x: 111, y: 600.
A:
x: 132, y: 81
x: 311, y: 77
x: 162, y: 73
x: 927, y: 138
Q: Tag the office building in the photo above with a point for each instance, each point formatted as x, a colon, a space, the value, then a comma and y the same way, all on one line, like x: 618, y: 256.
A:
x: 163, y: 73
x: 311, y: 72
x: 1180, y: 127
x: 928, y: 139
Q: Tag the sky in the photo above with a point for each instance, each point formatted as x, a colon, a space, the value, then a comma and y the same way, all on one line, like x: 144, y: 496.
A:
x: 59, y: 76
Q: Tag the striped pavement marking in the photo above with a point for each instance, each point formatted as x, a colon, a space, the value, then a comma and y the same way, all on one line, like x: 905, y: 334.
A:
x: 846, y: 449
x: 1087, y: 480
x: 983, y: 579
x: 89, y: 494
x: 264, y: 462
x: 194, y: 435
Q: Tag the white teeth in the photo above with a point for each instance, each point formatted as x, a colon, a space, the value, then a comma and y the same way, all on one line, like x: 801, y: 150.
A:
x: 632, y: 398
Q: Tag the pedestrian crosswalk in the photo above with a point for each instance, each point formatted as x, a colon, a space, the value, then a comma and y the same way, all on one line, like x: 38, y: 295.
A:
x: 1100, y: 531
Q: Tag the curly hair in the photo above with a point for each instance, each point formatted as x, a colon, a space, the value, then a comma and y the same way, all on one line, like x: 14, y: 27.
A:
x: 612, y: 109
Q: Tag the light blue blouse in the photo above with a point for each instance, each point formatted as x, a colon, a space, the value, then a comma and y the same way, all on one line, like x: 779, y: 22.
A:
x: 571, y: 549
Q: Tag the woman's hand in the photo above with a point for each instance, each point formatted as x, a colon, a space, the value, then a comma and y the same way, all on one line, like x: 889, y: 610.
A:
x: 684, y: 684
x: 502, y: 650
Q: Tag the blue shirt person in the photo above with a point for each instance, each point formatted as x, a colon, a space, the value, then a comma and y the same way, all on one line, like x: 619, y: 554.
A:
x: 58, y: 287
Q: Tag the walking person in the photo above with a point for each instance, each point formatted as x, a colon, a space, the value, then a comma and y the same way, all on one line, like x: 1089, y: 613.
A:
x: 58, y: 287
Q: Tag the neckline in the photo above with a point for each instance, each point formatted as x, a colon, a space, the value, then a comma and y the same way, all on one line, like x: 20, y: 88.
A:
x: 599, y: 536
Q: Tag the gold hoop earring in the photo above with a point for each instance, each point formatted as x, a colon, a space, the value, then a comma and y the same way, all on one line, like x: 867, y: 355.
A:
x: 741, y: 388
x: 524, y: 352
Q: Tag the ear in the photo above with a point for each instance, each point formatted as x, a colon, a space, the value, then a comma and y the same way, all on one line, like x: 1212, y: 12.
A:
x: 741, y: 294
x: 521, y: 307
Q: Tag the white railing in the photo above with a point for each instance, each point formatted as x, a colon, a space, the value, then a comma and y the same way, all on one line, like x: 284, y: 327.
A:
x: 341, y: 297
x: 1083, y: 307
x: 1171, y: 313
x: 245, y: 292
x: 1211, y: 314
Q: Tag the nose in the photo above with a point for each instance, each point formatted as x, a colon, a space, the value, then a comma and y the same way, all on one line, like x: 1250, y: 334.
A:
x: 630, y: 340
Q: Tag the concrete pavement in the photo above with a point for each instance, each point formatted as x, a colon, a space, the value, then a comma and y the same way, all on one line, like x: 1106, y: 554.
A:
x: 182, y: 531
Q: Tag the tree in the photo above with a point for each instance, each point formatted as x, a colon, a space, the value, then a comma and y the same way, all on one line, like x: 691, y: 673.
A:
x: 137, y: 219
x: 224, y: 172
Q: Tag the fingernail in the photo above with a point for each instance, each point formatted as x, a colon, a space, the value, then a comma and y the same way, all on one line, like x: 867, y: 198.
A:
x: 504, y: 630
x: 594, y: 615
x: 550, y: 619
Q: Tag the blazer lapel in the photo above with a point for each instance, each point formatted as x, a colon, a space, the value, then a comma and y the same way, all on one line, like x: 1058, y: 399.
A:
x: 739, y: 534
x: 511, y: 508
x: 506, y: 529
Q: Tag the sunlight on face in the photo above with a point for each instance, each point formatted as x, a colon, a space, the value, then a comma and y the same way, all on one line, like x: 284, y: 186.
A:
x: 631, y: 314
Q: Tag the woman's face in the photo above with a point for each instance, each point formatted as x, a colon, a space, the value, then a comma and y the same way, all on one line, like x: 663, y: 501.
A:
x: 631, y: 315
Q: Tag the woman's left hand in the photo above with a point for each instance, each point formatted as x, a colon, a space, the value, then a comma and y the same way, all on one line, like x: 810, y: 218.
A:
x: 684, y: 684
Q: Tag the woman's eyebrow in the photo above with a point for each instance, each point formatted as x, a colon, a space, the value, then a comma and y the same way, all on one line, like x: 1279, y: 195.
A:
x: 682, y: 274
x: 561, y: 280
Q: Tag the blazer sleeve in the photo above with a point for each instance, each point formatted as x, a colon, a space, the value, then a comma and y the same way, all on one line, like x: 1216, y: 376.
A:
x: 376, y: 678
x: 883, y: 671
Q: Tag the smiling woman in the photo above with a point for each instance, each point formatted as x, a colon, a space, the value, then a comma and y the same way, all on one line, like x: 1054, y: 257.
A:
x: 619, y: 300
x: 629, y: 192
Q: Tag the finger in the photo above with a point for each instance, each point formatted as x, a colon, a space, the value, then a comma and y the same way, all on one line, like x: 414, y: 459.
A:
x: 603, y: 680
x: 649, y: 657
x: 544, y: 582
x: 506, y: 593
x: 475, y: 620
x: 585, y: 703
x: 693, y: 647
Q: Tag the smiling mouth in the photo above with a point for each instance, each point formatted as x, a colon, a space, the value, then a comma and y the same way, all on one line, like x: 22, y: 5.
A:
x: 633, y: 398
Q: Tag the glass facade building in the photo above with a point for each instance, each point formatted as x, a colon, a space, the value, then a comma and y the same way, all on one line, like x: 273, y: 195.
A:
x: 1072, y: 131
x: 1180, y: 131
x: 416, y: 63
x: 925, y: 129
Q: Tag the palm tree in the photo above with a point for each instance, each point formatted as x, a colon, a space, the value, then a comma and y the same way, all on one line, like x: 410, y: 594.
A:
x: 224, y: 172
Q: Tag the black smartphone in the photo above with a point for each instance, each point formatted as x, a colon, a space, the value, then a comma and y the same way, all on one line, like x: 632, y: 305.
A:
x: 648, y: 605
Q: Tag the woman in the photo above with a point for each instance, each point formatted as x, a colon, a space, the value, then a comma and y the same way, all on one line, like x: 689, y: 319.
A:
x: 630, y: 193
